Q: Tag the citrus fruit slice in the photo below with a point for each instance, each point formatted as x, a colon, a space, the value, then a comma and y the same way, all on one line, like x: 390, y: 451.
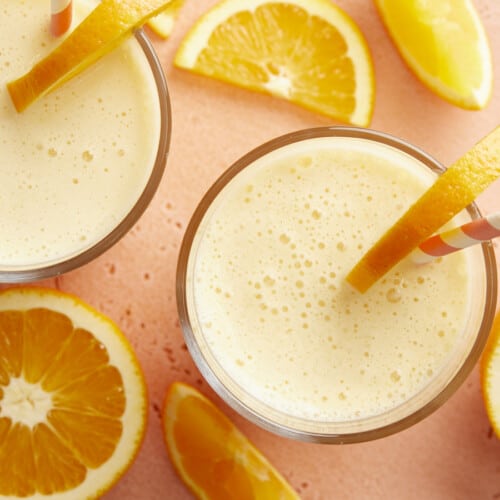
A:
x: 213, y: 458
x: 444, y: 43
x: 490, y: 376
x: 306, y: 51
x: 72, y: 397
x: 163, y: 23
x: 452, y: 191
x: 100, y: 32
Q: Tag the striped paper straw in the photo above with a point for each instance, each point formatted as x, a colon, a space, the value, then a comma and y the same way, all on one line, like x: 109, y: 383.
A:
x: 61, y: 15
x: 456, y: 239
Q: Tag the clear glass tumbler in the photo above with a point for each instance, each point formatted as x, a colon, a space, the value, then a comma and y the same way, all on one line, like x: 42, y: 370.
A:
x: 454, y: 368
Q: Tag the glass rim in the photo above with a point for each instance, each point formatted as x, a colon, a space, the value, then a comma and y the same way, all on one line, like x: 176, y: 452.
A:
x: 268, y: 423
x: 25, y: 274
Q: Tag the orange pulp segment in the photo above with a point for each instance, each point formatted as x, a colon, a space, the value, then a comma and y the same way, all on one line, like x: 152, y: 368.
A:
x: 72, y: 397
x: 308, y: 52
x: 100, y: 32
x: 490, y: 376
x: 452, y: 191
x: 213, y: 458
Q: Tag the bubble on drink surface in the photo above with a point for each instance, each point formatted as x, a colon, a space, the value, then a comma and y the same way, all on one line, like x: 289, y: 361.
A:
x: 87, y: 156
x: 393, y: 295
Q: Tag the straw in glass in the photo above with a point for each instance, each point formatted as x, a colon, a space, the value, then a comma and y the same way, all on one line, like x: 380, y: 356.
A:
x: 457, y: 239
x: 61, y: 15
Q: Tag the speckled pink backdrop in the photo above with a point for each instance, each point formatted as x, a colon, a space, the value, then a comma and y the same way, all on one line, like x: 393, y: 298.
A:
x: 451, y: 455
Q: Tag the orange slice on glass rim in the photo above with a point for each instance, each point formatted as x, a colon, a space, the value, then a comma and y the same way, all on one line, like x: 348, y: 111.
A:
x: 213, y: 458
x: 306, y: 51
x: 445, y: 44
x: 72, y: 397
x: 490, y: 376
x: 99, y: 33
x: 452, y: 191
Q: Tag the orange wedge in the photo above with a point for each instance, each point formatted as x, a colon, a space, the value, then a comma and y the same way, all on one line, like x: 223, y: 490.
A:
x: 72, y: 398
x: 213, y: 458
x: 490, y: 376
x: 308, y: 52
x: 100, y: 32
x: 456, y: 188
x: 444, y: 43
x: 163, y: 23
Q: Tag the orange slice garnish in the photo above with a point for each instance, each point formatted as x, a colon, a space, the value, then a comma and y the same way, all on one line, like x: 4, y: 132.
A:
x: 308, y: 52
x: 213, y: 458
x: 490, y: 376
x: 99, y: 33
x: 456, y: 188
x: 72, y: 397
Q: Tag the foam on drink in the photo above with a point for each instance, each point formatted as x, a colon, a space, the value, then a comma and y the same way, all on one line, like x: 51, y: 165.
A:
x: 273, y: 310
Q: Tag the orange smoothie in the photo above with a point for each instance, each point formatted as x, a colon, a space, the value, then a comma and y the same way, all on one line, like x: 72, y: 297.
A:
x: 272, y: 316
x: 74, y: 164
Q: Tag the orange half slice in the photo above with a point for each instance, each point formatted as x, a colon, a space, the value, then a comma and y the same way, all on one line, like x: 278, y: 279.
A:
x: 72, y: 398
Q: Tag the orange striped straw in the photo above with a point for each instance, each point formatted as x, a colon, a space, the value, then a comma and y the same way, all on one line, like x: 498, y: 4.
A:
x: 456, y: 239
x: 61, y: 15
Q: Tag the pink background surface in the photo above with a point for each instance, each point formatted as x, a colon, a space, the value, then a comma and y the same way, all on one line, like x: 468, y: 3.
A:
x: 450, y: 455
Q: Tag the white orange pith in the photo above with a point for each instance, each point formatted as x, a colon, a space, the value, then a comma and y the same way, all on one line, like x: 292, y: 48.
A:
x: 213, y: 458
x: 306, y: 51
x: 444, y: 43
x: 72, y: 397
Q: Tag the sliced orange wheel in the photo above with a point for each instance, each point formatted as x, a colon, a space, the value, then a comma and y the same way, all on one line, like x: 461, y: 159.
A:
x: 214, y: 459
x: 306, y: 51
x: 456, y: 188
x: 99, y: 33
x: 72, y: 398
x: 444, y: 43
x: 163, y: 23
x: 490, y: 376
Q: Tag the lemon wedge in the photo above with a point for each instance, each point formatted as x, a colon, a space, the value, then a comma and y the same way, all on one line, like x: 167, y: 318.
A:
x: 444, y: 43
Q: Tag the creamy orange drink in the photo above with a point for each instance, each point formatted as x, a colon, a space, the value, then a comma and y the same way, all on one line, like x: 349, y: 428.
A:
x: 268, y: 314
x: 79, y: 166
